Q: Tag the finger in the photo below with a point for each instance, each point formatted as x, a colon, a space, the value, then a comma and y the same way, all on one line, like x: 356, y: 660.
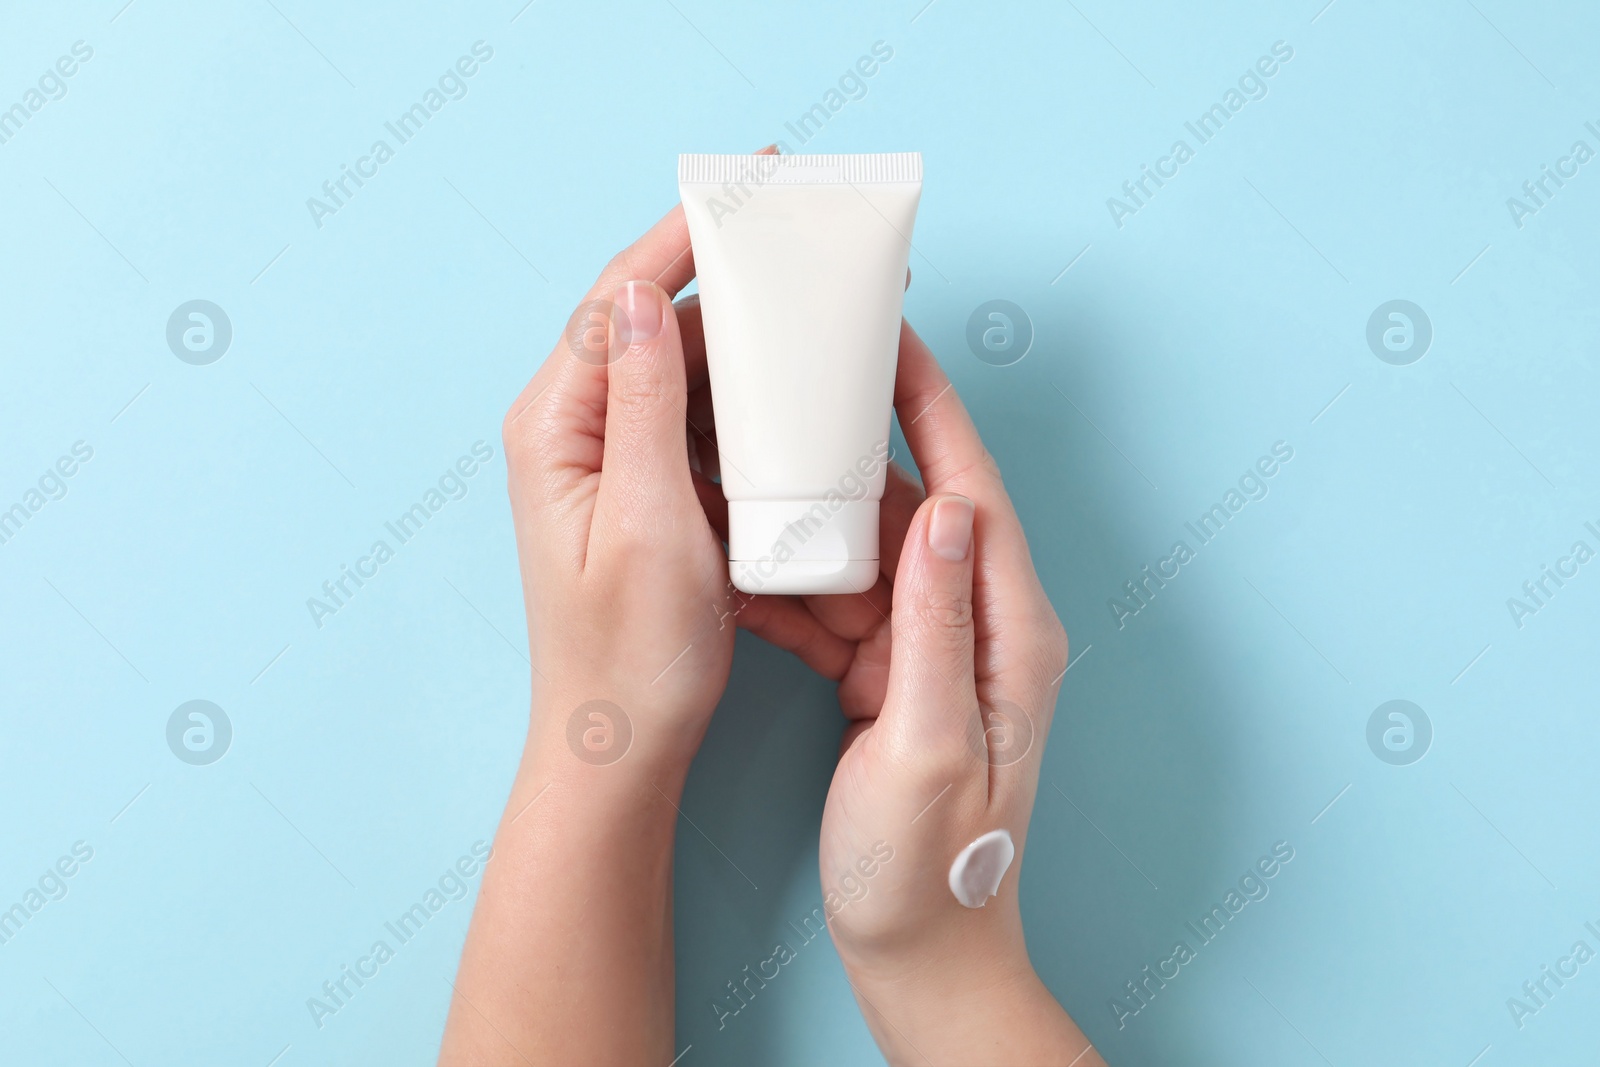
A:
x: 785, y: 622
x: 951, y: 456
x: 932, y: 695
x: 943, y: 440
x: 952, y: 459
x: 854, y: 617
x: 701, y: 428
x: 1022, y: 639
x: 662, y: 256
x: 692, y: 328
x: 646, y: 463
x: 902, y: 496
x: 554, y: 430
x: 852, y: 733
x: 866, y: 683
x: 714, y: 504
x: 558, y: 421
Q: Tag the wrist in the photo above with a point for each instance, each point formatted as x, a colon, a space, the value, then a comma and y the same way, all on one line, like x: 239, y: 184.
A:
x: 967, y: 975
x: 577, y: 898
x: 987, y: 1007
x: 586, y: 775
x: 638, y: 786
x: 626, y: 733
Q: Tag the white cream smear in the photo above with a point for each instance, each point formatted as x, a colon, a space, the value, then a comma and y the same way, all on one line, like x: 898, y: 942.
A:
x: 975, y: 875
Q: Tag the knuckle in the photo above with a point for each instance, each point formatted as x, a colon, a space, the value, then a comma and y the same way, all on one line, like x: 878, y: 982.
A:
x: 637, y: 383
x: 522, y: 430
x: 935, y: 630
x: 617, y: 267
x: 1055, y: 638
x: 944, y: 758
x: 948, y: 612
x: 514, y: 437
x: 534, y: 428
x: 959, y: 474
x: 990, y: 466
x: 1048, y: 652
x: 631, y: 539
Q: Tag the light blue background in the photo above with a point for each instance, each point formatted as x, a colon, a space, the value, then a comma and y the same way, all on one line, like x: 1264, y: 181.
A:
x: 1229, y: 313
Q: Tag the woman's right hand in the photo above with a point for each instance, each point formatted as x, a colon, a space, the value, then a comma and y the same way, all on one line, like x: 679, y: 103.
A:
x: 948, y: 669
x: 951, y: 699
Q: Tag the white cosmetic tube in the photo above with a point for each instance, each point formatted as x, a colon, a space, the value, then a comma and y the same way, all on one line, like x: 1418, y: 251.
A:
x: 802, y: 267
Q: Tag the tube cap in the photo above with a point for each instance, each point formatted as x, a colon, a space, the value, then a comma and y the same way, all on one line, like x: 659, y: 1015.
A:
x: 803, y: 546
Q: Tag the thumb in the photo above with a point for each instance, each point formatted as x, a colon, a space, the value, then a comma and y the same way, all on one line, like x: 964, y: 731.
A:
x: 931, y: 692
x: 645, y: 459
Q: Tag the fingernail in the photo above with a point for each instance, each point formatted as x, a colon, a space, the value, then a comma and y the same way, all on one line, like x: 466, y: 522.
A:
x: 640, y: 304
x: 950, y: 528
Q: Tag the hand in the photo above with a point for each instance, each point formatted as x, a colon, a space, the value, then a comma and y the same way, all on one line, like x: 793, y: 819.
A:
x: 625, y: 580
x: 628, y: 601
x: 621, y: 572
x: 945, y: 745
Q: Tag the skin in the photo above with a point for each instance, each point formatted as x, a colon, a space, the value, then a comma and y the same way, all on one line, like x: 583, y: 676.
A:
x: 619, y: 533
